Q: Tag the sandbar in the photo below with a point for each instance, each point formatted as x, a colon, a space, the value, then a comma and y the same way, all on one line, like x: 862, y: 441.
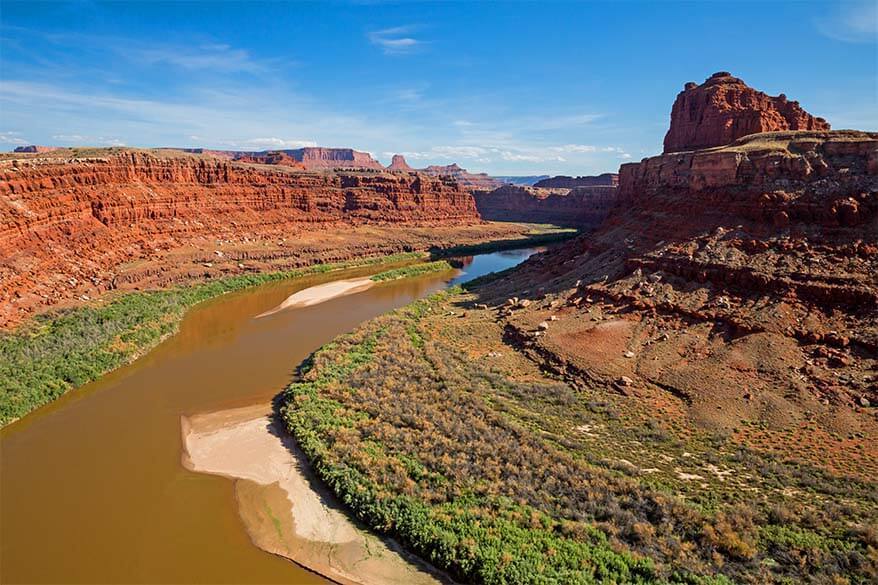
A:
x: 284, y: 507
x: 321, y: 293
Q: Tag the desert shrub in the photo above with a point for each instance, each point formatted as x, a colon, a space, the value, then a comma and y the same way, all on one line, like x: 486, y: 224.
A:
x: 471, y: 469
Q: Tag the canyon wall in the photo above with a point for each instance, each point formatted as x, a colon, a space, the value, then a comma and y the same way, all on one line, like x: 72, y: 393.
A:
x: 65, y: 221
x: 584, y: 207
x: 738, y: 283
x: 724, y: 108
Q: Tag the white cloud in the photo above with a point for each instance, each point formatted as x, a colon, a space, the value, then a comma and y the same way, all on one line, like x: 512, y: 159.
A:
x: 12, y: 138
x: 267, y: 143
x: 209, y: 118
x: 560, y: 122
x: 71, y: 138
x: 851, y: 22
x: 395, y: 40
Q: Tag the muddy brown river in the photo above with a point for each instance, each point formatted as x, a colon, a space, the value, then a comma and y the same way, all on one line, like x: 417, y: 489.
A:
x: 92, y: 489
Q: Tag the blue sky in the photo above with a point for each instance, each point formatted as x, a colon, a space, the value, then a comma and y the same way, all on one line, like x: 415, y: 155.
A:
x: 508, y: 88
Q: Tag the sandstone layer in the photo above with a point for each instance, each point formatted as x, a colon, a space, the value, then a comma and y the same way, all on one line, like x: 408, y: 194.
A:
x: 74, y: 227
x: 584, y: 207
x: 735, y: 285
x: 724, y: 108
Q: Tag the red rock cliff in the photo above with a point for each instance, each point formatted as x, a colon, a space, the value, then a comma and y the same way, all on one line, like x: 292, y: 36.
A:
x: 70, y: 219
x: 740, y: 284
x: 724, y: 108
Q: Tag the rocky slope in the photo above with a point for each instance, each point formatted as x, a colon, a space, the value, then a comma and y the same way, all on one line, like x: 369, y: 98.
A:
x: 737, y: 284
x: 565, y: 182
x: 584, y: 207
x: 724, y: 108
x: 73, y: 225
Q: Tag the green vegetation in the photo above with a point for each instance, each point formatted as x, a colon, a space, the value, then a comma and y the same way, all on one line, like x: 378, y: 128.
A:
x: 487, y: 471
x: 59, y: 351
x: 414, y: 270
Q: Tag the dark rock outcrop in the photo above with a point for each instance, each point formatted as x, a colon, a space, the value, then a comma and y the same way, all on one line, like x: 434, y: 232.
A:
x: 583, y: 207
x: 565, y: 182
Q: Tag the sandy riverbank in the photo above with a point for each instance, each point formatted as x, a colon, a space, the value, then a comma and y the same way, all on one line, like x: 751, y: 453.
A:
x: 322, y: 293
x: 285, y: 510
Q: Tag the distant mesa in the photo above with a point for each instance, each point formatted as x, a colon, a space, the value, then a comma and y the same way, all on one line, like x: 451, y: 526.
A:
x: 279, y: 158
x: 399, y: 164
x: 467, y: 180
x: 565, y: 182
x: 35, y: 148
x: 724, y: 108
x: 310, y: 157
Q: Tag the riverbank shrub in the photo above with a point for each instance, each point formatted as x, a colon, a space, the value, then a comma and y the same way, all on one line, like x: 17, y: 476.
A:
x: 411, y: 271
x: 62, y: 350
x: 463, y: 464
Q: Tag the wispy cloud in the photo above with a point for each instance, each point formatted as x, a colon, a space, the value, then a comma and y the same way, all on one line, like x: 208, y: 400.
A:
x: 220, y: 58
x: 202, y: 55
x: 519, y: 153
x: 397, y: 40
x: 12, y: 138
x: 851, y: 22
x: 203, y: 118
x: 266, y: 143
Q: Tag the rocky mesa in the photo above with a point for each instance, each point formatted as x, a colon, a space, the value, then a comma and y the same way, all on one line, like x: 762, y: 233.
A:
x: 724, y: 108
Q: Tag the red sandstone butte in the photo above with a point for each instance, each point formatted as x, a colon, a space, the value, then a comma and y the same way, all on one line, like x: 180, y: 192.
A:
x: 399, y: 164
x: 724, y: 108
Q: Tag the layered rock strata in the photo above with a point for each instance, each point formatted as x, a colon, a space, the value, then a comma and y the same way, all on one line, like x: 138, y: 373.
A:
x: 91, y: 224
